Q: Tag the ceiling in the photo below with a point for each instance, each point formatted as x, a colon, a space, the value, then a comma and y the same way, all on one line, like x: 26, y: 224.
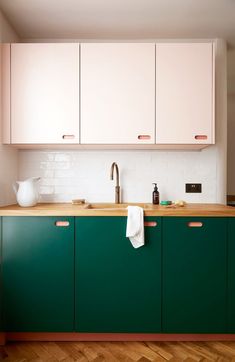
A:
x: 123, y: 19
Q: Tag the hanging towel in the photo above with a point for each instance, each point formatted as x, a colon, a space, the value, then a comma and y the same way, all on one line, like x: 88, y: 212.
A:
x: 135, y: 226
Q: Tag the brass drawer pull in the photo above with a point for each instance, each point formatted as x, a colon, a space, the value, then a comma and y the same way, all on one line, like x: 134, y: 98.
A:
x: 150, y: 223
x: 62, y: 223
x: 144, y: 137
x: 201, y: 137
x: 195, y: 224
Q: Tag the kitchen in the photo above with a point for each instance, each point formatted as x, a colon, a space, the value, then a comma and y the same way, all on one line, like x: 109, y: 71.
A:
x: 66, y: 118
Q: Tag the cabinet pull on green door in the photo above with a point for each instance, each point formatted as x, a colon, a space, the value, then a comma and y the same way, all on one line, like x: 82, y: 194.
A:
x: 62, y: 223
x: 150, y: 223
x: 195, y: 224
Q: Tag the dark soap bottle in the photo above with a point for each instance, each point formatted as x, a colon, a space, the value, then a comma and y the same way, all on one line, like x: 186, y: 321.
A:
x: 155, y: 195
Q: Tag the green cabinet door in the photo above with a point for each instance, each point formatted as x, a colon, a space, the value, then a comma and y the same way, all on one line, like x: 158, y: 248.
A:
x: 117, y: 287
x: 38, y: 274
x: 1, y: 321
x: 194, y: 275
x: 231, y: 275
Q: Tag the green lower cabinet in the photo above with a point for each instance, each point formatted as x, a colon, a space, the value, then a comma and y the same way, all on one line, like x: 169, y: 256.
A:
x: 231, y: 275
x: 38, y: 274
x: 117, y: 287
x: 195, y: 275
x: 176, y: 283
x: 1, y: 321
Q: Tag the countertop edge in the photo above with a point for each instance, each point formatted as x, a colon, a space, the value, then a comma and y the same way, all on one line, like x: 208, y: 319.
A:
x: 69, y: 210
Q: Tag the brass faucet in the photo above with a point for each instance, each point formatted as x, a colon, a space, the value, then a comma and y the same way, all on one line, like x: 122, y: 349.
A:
x: 117, y: 187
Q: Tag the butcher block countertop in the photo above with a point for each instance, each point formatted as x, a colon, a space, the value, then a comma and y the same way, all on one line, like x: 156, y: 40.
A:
x: 109, y: 209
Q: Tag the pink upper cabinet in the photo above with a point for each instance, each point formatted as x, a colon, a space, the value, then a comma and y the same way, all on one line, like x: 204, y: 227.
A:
x: 118, y: 93
x: 6, y: 92
x: 44, y: 93
x: 131, y: 93
x: 184, y: 93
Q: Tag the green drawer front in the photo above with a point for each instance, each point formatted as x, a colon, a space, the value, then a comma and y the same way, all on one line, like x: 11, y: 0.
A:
x: 117, y: 287
x: 231, y: 275
x: 194, y: 275
x: 38, y: 274
x: 1, y: 320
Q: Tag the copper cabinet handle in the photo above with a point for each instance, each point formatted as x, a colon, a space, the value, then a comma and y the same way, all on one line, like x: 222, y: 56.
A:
x: 68, y: 136
x: 144, y: 137
x: 195, y: 224
x: 200, y: 137
x: 61, y: 223
x: 150, y: 223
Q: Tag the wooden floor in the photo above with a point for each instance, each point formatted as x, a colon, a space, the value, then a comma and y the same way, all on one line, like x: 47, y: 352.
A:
x: 117, y: 351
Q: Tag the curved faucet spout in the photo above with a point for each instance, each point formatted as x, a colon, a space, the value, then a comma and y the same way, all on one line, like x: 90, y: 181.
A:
x: 117, y: 187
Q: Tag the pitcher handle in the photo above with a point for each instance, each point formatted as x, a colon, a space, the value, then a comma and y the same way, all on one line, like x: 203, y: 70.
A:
x: 36, y: 178
x: 15, y: 187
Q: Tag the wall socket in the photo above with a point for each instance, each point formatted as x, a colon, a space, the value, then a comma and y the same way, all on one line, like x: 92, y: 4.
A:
x: 193, y: 188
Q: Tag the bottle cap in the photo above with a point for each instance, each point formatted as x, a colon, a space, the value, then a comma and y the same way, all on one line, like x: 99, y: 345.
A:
x: 155, y: 186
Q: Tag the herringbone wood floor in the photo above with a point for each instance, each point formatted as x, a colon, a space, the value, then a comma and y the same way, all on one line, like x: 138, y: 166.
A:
x: 117, y: 351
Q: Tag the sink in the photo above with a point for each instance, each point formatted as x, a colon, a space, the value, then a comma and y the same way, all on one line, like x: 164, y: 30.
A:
x: 113, y: 206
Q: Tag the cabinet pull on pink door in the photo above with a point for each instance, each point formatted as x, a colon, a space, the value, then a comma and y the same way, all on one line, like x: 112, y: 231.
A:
x: 144, y: 137
x: 150, y: 223
x: 68, y: 136
x: 61, y: 223
x: 200, y: 137
x: 195, y: 224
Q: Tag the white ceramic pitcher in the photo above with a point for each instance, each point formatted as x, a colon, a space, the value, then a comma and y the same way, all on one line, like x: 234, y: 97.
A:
x: 27, y: 191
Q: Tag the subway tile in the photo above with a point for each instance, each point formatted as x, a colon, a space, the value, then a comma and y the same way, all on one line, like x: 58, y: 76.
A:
x: 46, y: 190
x: 86, y: 174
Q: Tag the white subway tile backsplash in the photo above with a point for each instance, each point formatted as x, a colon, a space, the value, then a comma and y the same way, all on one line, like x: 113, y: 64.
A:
x: 63, y: 157
x: 48, y: 174
x: 64, y: 174
x: 46, y: 190
x: 51, y: 165
x: 86, y: 174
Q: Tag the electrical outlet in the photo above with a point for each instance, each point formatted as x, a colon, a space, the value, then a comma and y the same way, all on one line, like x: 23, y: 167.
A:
x: 193, y: 188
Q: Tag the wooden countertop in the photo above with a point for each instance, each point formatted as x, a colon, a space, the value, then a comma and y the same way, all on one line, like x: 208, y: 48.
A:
x: 67, y: 209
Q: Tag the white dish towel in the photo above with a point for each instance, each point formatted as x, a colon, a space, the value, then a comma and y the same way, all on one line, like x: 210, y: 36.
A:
x: 135, y: 226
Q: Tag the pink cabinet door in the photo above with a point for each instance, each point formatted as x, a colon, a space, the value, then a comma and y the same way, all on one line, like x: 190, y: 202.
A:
x: 5, y: 92
x: 118, y: 93
x: 45, y: 93
x: 184, y: 93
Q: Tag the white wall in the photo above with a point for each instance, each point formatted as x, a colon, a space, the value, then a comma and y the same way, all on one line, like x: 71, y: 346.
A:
x: 8, y: 156
x: 231, y: 122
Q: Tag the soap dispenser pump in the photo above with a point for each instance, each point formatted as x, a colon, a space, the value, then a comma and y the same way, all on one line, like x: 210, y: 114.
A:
x: 155, y: 195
